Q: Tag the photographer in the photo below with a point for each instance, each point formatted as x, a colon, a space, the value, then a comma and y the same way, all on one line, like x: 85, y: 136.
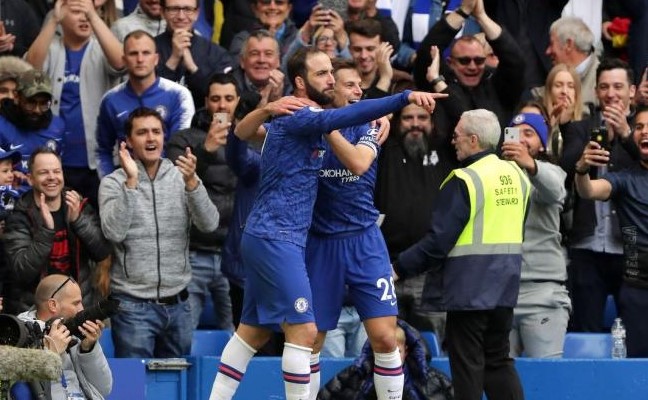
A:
x: 86, y: 374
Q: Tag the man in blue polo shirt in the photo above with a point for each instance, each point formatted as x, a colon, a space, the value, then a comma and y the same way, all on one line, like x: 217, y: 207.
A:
x: 143, y: 89
x: 277, y: 288
x: 628, y: 189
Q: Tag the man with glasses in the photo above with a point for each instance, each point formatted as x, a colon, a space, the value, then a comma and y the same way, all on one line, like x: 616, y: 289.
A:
x: 86, y: 373
x: 51, y: 231
x: 473, y: 250
x: 30, y: 123
x: 468, y: 80
x: 186, y: 57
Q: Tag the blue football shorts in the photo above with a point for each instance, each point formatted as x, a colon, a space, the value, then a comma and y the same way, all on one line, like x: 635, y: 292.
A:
x: 356, y: 262
x: 277, y: 288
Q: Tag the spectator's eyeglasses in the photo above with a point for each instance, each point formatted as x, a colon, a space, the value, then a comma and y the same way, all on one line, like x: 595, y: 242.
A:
x: 467, y: 60
x: 277, y: 2
x: 31, y: 105
x: 325, y: 39
x: 58, y: 289
x: 174, y: 10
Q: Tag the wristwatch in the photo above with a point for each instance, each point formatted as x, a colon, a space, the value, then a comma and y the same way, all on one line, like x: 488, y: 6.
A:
x: 436, y: 80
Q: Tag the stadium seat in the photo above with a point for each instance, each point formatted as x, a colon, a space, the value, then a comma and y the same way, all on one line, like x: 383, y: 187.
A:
x: 432, y: 342
x: 106, y: 342
x: 209, y: 342
x: 587, y: 345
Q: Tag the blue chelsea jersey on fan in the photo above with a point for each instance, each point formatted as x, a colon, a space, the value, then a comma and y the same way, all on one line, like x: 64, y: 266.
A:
x: 26, y: 142
x: 345, y: 201
x: 290, y: 161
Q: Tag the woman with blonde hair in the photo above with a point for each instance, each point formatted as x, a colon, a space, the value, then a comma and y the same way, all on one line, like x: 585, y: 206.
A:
x: 562, y: 98
x: 562, y: 95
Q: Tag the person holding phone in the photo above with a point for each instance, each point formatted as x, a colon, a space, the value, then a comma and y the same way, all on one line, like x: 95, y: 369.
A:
x: 594, y: 240
x: 626, y: 189
x: 542, y: 312
x: 207, y: 137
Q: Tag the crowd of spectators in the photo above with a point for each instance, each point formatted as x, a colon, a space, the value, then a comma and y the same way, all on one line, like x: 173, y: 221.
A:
x: 78, y: 80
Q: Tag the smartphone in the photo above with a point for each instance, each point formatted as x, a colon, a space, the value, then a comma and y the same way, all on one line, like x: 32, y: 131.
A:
x: 600, y: 136
x: 222, y: 117
x: 341, y: 6
x: 511, y: 134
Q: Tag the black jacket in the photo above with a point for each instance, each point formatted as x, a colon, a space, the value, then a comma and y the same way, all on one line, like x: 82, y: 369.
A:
x: 218, y: 178
x: 422, y: 382
x: 499, y: 91
x: 28, y: 244
x: 623, y: 154
x: 406, y: 189
x: 209, y: 57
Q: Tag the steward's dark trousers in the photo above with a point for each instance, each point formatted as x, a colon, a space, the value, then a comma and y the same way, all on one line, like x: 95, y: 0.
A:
x: 478, y: 348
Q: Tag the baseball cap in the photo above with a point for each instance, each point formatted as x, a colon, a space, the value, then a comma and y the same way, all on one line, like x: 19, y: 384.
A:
x: 536, y: 122
x: 31, y: 83
x: 14, y: 155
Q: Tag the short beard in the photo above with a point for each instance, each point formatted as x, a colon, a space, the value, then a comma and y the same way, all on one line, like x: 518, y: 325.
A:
x: 318, y: 97
x: 416, y: 147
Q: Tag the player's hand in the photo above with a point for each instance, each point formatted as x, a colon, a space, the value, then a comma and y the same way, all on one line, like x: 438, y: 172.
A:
x: 383, y: 127
x: 394, y: 274
x: 288, y: 105
x: 425, y: 99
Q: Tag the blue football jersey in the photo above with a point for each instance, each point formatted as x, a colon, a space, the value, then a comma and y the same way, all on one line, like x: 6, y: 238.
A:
x: 290, y: 161
x: 344, y: 200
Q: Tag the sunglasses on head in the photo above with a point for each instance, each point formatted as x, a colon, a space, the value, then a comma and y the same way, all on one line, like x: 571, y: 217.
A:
x: 61, y: 286
x: 467, y: 60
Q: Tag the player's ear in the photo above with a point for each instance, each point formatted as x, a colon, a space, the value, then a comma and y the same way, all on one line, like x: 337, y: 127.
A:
x: 300, y: 83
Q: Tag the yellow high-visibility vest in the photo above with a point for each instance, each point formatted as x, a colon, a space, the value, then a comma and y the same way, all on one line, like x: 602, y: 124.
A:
x: 499, y: 194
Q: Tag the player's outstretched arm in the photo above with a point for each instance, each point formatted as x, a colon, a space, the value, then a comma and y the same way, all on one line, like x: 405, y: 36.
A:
x: 248, y: 126
x: 425, y: 99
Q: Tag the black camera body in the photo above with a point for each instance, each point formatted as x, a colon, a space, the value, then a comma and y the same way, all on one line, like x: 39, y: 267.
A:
x: 104, y: 309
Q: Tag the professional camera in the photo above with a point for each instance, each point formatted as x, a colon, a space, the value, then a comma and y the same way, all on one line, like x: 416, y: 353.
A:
x: 17, y: 333
x: 104, y: 309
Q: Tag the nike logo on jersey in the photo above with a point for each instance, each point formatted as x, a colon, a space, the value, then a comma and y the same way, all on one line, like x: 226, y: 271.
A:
x: 15, y: 146
x: 121, y: 113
